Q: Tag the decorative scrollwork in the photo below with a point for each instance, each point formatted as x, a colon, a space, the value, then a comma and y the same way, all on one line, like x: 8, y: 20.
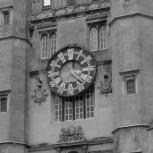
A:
x: 71, y: 133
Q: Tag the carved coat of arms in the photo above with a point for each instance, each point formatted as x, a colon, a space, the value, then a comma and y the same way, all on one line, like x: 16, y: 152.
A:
x: 71, y: 134
x: 39, y: 94
x: 105, y: 85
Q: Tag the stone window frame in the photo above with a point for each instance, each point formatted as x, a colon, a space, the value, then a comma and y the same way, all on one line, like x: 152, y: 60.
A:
x: 4, y: 21
x: 88, y: 107
x: 130, y: 84
x: 98, y: 26
x: 49, y: 52
x: 4, y: 106
x: 128, y: 76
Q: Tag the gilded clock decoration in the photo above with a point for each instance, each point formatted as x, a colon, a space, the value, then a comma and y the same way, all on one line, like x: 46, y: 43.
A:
x: 71, y: 70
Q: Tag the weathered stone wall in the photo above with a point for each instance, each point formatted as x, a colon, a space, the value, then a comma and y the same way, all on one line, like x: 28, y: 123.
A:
x: 131, y: 40
x: 42, y: 128
x: 72, y: 31
x: 131, y: 43
x: 14, y: 48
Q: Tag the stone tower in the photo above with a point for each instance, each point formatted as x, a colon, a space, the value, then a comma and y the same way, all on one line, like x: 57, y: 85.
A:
x: 132, y: 54
x: 14, y: 46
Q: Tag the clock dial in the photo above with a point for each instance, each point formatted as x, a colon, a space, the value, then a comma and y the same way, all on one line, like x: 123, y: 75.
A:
x: 70, y: 71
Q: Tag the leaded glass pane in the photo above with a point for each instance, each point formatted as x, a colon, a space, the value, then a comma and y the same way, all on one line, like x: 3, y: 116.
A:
x: 44, y: 53
x: 68, y: 109
x: 93, y: 39
x: 89, y: 97
x: 102, y: 37
x: 79, y: 107
x: 52, y: 44
x: 58, y: 109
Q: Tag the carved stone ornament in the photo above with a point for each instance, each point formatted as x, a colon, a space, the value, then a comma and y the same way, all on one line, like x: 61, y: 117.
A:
x: 105, y: 85
x: 72, y: 9
x: 39, y: 94
x: 71, y: 134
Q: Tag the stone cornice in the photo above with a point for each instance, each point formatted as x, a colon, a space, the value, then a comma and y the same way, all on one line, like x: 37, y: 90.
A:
x: 45, y: 146
x: 113, y: 20
x: 17, y: 37
x: 130, y: 126
x: 13, y: 142
x: 46, y: 24
x: 6, y: 5
x: 105, y: 151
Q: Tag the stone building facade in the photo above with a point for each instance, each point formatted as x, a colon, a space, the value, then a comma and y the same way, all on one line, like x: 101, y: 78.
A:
x: 76, y: 76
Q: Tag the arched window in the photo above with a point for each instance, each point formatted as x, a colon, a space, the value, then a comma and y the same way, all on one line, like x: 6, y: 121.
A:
x: 93, y: 39
x: 44, y: 42
x: 52, y: 44
x: 102, y: 37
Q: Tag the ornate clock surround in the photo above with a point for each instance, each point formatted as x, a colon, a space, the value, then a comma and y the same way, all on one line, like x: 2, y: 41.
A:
x: 85, y: 77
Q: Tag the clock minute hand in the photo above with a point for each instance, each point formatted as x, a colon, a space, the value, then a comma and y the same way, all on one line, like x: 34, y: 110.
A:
x: 78, y: 77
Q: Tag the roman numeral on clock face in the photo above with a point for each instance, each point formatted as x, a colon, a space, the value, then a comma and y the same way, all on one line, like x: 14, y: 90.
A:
x: 89, y: 68
x: 70, y: 89
x: 70, y: 53
x: 61, y: 88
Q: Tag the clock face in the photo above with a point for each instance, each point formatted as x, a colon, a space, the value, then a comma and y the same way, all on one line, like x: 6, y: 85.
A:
x: 71, y: 71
